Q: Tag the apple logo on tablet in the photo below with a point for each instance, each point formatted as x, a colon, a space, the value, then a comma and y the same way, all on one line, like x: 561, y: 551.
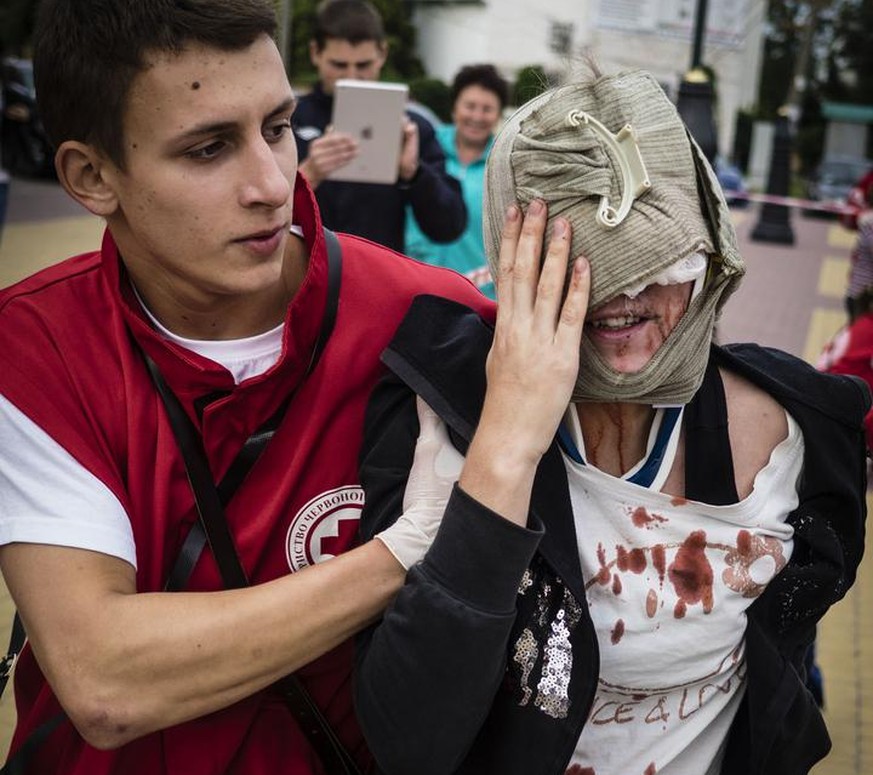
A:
x: 367, y: 132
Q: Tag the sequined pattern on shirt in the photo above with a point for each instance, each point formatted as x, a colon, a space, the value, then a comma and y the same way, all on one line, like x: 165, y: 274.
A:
x: 542, y: 656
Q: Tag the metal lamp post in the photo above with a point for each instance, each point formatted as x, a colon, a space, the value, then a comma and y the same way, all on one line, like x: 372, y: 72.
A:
x: 774, y: 221
x: 695, y: 98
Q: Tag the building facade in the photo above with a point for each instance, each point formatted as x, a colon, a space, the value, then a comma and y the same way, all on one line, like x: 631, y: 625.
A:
x: 655, y: 35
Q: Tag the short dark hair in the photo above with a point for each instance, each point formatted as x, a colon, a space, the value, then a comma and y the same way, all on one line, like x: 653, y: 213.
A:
x: 485, y: 76
x: 356, y: 21
x: 88, y: 53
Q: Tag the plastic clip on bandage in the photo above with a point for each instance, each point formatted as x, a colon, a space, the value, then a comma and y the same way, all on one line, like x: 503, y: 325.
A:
x: 635, y: 179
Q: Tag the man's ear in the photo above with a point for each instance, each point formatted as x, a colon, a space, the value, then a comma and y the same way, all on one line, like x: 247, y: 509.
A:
x: 314, y: 52
x: 383, y: 51
x: 86, y: 176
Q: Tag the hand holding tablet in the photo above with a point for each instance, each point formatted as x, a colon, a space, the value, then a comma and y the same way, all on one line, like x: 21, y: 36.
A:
x: 372, y: 113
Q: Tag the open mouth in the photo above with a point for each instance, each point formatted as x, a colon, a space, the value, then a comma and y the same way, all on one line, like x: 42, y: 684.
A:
x: 616, y: 323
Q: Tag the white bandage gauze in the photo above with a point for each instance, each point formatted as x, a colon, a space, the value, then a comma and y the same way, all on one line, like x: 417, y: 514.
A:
x: 436, y: 465
x: 687, y: 269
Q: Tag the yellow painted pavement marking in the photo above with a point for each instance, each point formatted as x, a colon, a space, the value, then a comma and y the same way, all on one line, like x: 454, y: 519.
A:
x: 27, y: 247
x: 833, y: 277
x: 845, y: 635
x: 845, y: 648
x: 841, y: 237
x: 823, y: 324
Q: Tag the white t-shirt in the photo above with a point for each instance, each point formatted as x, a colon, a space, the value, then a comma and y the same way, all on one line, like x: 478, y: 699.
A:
x: 78, y: 510
x: 668, y: 585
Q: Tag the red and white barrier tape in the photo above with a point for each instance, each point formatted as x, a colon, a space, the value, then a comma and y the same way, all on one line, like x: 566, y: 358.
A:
x: 790, y: 201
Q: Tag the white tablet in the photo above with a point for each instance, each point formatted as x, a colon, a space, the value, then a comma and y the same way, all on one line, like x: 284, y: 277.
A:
x: 371, y: 112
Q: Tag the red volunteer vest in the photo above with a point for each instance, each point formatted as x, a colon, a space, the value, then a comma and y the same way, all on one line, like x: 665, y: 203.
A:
x: 68, y: 362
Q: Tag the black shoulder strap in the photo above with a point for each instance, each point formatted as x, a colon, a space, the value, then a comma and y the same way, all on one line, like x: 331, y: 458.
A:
x: 194, y: 542
x: 709, y: 465
x: 334, y: 757
x: 16, y: 642
x: 209, y: 506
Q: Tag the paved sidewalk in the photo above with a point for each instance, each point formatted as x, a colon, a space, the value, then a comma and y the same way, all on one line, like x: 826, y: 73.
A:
x: 43, y: 225
x: 791, y: 299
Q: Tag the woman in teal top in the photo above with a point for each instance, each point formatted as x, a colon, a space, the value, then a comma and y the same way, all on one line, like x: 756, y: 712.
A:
x: 479, y: 95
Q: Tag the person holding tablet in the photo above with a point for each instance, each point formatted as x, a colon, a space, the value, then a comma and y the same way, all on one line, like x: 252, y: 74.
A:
x: 349, y: 42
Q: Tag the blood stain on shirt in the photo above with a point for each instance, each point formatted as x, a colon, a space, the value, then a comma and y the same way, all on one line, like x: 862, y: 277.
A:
x: 691, y: 573
x: 616, y: 584
x: 659, y: 560
x: 603, y: 575
x: 651, y: 603
x: 641, y: 517
x: 617, y: 632
x: 633, y: 560
x: 578, y: 769
x: 744, y: 559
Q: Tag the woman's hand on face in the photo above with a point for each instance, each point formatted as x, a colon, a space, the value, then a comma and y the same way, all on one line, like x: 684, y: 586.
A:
x: 533, y: 362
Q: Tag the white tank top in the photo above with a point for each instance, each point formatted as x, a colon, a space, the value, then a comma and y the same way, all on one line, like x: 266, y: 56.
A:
x: 668, y: 582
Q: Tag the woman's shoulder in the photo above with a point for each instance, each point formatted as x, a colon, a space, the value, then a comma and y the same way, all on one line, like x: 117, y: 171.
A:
x: 797, y: 384
x: 757, y: 424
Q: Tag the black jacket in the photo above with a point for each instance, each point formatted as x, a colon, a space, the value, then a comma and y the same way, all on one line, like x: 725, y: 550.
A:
x: 435, y: 689
x: 378, y: 211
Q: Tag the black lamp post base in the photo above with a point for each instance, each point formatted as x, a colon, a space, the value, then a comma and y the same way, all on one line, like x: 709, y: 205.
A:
x: 774, y: 223
x: 774, y: 227
x: 694, y: 104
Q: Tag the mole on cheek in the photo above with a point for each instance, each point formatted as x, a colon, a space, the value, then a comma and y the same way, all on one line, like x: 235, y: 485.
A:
x: 195, y: 85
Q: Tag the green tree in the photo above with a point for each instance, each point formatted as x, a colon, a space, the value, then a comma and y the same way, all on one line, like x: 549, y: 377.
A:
x: 530, y: 82
x: 816, y: 50
x: 433, y: 93
x: 17, y: 18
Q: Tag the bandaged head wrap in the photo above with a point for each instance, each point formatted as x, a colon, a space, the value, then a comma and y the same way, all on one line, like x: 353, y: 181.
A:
x: 582, y: 148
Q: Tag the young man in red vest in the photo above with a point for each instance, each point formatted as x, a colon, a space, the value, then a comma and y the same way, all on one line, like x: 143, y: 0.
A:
x: 172, y: 122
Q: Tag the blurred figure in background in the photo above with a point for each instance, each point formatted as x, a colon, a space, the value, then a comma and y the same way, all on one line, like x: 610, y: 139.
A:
x: 349, y: 42
x: 850, y: 351
x: 856, y: 199
x: 479, y: 95
x: 861, y: 272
